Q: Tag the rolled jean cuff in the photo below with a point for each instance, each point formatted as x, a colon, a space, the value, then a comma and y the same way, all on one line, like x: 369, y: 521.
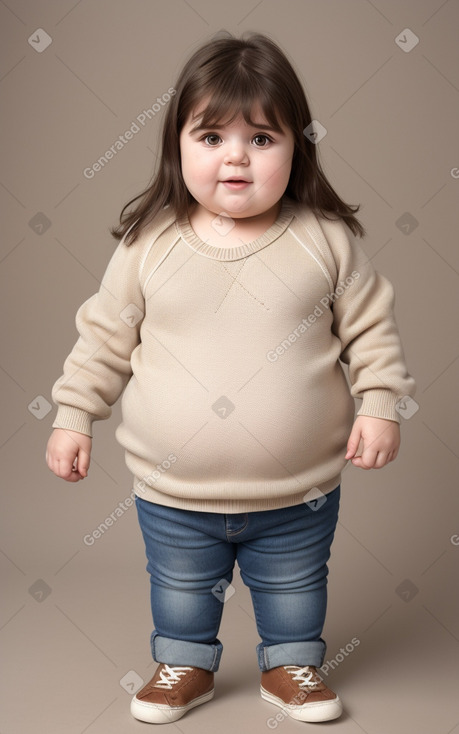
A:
x: 182, y: 652
x: 291, y: 653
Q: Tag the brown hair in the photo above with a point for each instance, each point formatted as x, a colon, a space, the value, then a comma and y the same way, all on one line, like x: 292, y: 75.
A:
x: 234, y: 74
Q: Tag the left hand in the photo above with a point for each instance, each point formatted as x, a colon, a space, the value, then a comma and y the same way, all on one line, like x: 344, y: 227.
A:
x: 380, y: 442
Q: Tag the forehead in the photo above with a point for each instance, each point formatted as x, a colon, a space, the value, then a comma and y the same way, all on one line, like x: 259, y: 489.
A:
x: 204, y: 116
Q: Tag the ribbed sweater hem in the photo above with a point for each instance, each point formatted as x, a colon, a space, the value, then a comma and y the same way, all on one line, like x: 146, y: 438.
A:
x: 201, y: 504
x: 380, y: 404
x: 73, y: 419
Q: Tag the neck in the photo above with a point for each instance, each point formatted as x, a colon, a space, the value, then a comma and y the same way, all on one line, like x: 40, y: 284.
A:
x: 246, y: 229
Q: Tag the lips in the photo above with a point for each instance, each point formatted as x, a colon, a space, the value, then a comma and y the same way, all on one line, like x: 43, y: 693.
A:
x: 236, y: 179
x: 236, y: 183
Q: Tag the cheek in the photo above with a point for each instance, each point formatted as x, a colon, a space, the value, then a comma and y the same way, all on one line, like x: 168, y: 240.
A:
x: 278, y: 173
x: 195, y: 168
x: 195, y: 180
x: 185, y: 162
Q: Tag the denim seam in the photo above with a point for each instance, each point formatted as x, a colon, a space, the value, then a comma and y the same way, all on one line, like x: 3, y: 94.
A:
x: 237, y: 532
x: 254, y: 605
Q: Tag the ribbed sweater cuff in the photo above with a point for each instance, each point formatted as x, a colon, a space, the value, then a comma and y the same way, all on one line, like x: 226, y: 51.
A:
x: 380, y: 404
x: 73, y: 419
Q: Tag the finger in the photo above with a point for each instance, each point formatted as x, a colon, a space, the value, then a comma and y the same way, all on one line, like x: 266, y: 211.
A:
x: 357, y: 461
x: 369, y: 457
x: 66, y: 471
x: 370, y: 460
x: 381, y: 460
x: 73, y: 477
x: 375, y: 460
x: 353, y: 444
x: 83, y: 463
x: 355, y: 449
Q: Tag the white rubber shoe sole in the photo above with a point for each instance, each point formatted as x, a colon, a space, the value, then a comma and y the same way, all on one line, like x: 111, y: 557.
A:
x: 156, y: 713
x: 311, y: 712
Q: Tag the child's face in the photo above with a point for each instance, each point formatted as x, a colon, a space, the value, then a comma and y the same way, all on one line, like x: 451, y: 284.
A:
x: 213, y: 158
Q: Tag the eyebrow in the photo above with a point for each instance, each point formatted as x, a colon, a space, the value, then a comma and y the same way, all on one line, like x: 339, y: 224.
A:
x: 199, y: 127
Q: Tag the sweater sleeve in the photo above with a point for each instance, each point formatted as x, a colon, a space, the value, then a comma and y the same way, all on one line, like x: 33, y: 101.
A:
x: 364, y: 321
x: 99, y: 365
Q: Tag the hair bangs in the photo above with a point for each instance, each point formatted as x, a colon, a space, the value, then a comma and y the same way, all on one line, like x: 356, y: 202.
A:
x: 229, y: 98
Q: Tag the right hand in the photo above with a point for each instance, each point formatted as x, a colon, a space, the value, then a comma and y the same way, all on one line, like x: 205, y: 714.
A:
x: 68, y: 454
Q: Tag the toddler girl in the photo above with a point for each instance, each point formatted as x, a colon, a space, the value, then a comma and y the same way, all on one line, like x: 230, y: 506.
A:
x: 236, y: 290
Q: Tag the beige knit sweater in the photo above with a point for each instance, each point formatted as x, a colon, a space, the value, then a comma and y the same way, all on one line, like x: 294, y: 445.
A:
x: 235, y: 398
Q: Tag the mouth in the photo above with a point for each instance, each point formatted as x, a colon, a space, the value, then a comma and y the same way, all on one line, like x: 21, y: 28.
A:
x: 236, y: 183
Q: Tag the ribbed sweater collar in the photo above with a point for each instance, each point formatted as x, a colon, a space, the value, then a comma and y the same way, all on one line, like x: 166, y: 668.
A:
x: 187, y: 233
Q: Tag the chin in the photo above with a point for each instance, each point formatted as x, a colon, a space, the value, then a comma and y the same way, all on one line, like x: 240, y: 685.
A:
x: 243, y: 210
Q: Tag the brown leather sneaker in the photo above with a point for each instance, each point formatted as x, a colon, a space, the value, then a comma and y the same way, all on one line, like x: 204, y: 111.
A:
x: 172, y: 692
x: 300, y: 692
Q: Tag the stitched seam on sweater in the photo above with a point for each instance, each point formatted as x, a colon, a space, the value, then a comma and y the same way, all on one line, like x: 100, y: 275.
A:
x: 235, y: 280
x: 318, y: 237
x: 325, y: 272
x: 151, y: 273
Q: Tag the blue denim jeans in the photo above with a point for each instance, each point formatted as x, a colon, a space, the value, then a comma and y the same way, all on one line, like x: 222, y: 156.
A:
x: 282, y: 555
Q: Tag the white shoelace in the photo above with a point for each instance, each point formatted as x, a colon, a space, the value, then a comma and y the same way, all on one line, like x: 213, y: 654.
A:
x: 169, y: 676
x: 308, y: 678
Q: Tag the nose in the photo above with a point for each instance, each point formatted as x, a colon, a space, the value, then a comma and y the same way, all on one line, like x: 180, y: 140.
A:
x: 236, y: 154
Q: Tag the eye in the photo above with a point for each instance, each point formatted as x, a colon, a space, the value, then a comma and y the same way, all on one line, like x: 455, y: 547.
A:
x: 261, y: 141
x: 212, y: 139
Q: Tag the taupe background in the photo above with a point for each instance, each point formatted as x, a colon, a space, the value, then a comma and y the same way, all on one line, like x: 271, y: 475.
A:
x: 75, y: 620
